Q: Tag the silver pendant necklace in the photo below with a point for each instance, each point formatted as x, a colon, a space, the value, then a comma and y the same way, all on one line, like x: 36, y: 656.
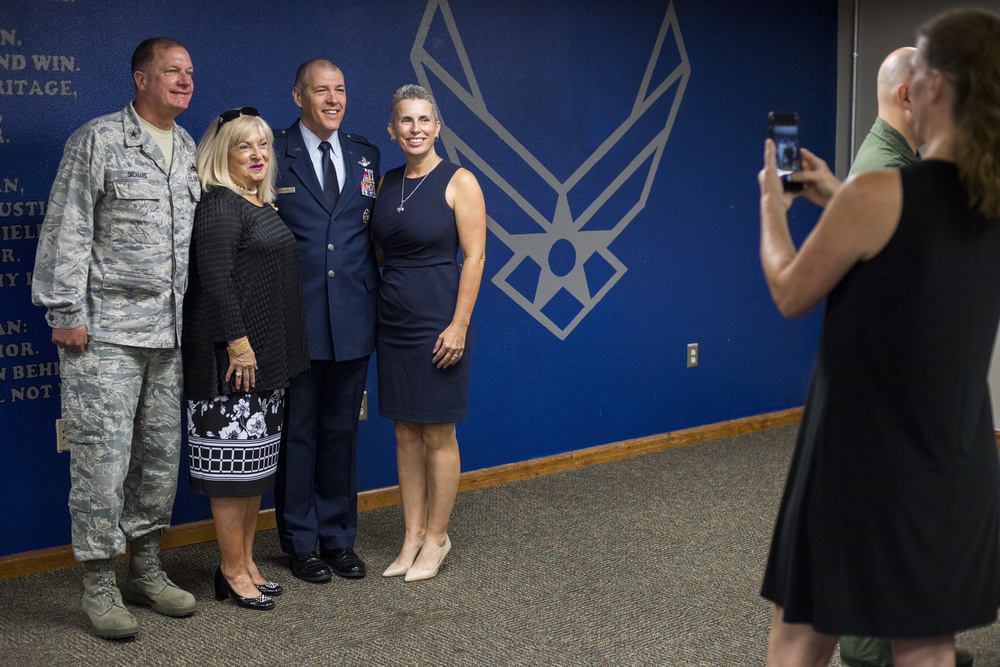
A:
x: 402, y: 189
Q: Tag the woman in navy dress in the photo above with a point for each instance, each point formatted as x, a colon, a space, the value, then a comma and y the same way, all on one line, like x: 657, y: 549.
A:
x: 890, y: 521
x: 426, y: 211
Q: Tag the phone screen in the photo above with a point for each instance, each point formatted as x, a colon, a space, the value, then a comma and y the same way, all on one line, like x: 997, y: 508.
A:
x: 784, y: 130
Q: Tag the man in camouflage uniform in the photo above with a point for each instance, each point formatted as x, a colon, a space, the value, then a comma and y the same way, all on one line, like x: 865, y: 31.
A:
x: 111, y: 268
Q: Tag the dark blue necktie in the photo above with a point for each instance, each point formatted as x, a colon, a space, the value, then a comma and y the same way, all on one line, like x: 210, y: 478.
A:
x: 330, y: 185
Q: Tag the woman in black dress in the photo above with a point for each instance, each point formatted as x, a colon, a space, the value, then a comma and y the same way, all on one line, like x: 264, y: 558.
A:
x: 244, y: 337
x: 426, y: 211
x: 890, y: 521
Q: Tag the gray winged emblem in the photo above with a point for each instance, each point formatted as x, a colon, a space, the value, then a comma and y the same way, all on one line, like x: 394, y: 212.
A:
x: 561, y: 265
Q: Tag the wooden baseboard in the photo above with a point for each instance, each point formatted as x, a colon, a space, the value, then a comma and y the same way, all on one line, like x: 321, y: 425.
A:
x: 54, y: 558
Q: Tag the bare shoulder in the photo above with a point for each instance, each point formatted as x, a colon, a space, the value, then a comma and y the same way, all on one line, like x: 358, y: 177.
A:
x: 870, y: 197
x: 868, y: 208
x: 873, y: 183
x: 463, y: 186
x: 463, y: 178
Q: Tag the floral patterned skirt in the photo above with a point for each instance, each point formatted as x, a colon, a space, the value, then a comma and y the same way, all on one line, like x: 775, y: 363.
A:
x: 233, y: 443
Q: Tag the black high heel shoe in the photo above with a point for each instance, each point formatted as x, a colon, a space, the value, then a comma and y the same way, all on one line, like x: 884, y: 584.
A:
x: 270, y: 588
x: 224, y: 590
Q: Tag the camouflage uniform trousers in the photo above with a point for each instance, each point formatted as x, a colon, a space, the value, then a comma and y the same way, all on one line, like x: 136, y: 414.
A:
x: 121, y: 416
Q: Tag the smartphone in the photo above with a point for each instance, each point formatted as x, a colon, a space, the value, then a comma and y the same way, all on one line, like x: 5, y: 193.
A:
x: 783, y: 128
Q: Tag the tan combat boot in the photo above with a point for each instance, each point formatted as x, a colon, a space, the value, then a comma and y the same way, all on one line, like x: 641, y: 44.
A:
x: 148, y: 584
x: 103, y: 610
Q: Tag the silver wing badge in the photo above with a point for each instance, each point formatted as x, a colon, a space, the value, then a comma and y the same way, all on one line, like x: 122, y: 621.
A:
x: 561, y: 265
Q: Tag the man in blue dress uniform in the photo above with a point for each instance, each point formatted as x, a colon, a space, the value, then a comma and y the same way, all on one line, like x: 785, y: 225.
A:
x: 326, y: 191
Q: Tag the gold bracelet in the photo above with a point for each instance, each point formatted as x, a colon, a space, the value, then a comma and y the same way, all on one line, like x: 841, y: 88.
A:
x: 239, y: 349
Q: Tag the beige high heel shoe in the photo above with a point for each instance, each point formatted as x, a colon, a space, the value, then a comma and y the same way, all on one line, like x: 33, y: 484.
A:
x: 395, y: 570
x: 413, y: 574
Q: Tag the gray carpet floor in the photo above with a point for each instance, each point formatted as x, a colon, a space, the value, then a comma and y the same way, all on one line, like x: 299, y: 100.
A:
x: 653, y: 560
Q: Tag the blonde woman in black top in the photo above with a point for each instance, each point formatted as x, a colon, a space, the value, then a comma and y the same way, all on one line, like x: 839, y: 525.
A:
x: 244, y: 337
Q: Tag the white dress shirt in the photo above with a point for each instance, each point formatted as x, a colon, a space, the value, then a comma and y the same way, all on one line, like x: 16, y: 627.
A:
x: 312, y: 143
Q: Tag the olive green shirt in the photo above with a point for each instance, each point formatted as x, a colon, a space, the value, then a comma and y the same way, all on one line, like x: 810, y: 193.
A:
x: 884, y: 147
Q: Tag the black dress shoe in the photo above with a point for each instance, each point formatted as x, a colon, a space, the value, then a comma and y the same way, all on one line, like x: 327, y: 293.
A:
x: 271, y: 588
x: 344, y: 562
x: 223, y: 590
x: 309, y: 567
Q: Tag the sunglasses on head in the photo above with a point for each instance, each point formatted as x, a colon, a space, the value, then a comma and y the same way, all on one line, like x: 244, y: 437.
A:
x: 232, y: 114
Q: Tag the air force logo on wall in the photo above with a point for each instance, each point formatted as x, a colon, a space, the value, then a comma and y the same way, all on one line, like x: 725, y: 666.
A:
x: 561, y: 265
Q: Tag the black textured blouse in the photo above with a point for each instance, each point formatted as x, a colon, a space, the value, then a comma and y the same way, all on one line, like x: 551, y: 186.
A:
x: 244, y: 281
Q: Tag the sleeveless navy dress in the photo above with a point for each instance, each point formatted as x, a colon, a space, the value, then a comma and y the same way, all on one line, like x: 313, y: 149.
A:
x: 890, y: 522
x: 417, y: 298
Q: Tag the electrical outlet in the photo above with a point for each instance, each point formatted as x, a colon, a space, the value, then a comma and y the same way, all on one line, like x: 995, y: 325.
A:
x: 62, y: 444
x: 692, y: 355
x: 364, y: 407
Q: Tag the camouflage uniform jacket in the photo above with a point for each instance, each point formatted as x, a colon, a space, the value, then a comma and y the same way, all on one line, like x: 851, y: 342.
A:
x: 113, y: 248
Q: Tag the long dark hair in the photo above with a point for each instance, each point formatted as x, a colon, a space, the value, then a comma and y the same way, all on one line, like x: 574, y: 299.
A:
x: 964, y: 44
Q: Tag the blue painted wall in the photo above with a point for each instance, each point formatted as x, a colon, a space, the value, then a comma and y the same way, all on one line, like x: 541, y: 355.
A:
x: 553, y: 80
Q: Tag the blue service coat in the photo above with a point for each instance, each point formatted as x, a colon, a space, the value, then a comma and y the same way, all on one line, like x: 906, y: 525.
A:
x: 340, y: 276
